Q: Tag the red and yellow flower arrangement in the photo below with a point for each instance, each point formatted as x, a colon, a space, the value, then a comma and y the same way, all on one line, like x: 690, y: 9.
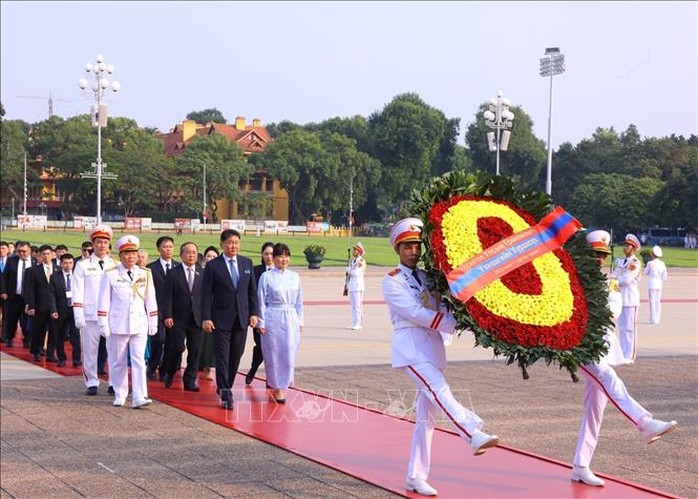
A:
x: 553, y: 307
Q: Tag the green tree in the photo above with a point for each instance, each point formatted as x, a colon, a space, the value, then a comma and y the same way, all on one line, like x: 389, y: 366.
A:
x: 620, y: 202
x: 408, y: 138
x: 14, y: 136
x: 299, y: 160
x: 207, y: 116
x: 226, y: 169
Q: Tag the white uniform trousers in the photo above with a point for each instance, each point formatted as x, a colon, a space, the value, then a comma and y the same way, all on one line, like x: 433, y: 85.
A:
x: 433, y: 397
x: 356, y: 299
x: 120, y: 347
x: 627, y: 332
x: 89, y: 345
x: 655, y: 305
x: 601, y: 384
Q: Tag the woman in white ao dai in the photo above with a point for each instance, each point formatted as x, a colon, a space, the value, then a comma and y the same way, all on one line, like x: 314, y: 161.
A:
x: 281, y: 320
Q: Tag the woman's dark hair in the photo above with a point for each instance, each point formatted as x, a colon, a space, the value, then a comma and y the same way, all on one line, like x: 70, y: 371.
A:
x: 211, y: 248
x: 281, y: 249
x: 266, y: 245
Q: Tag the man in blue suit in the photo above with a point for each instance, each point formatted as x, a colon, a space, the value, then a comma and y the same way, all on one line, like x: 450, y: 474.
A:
x: 228, y: 307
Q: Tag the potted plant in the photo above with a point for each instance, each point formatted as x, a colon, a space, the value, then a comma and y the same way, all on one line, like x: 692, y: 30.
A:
x: 314, y: 254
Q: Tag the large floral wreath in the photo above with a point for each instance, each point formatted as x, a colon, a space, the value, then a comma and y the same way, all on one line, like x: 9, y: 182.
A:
x: 553, y: 307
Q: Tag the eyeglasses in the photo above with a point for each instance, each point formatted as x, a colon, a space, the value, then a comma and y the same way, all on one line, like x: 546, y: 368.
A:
x: 89, y: 250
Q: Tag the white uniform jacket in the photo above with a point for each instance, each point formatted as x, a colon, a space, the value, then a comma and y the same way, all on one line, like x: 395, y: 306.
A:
x: 127, y: 305
x: 614, y: 357
x: 656, y: 274
x: 356, y: 271
x: 418, y: 319
x: 85, y: 286
x: 628, y: 275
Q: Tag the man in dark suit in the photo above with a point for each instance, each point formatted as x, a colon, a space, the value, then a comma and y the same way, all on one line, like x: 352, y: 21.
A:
x: 182, y: 312
x: 61, y: 310
x: 37, y: 294
x: 4, y: 256
x: 228, y: 307
x: 11, y: 286
x: 160, y: 268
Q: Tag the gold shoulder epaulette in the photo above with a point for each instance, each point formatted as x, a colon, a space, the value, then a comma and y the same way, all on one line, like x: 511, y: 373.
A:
x: 394, y: 272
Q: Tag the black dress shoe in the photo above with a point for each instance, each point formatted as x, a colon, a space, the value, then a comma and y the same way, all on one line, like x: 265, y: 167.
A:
x: 192, y: 388
x: 167, y: 380
x: 60, y: 363
x: 227, y: 405
x: 249, y: 378
x: 36, y: 357
x: 51, y: 359
x: 92, y: 391
x: 110, y: 390
x: 77, y: 363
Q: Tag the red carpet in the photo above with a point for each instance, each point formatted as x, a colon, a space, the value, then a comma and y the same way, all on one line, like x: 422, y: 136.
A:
x: 374, y: 447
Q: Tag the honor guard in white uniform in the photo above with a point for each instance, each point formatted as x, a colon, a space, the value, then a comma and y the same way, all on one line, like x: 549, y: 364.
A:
x: 356, y: 285
x: 418, y: 349
x: 627, y: 273
x: 655, y: 270
x: 601, y: 384
x: 85, y: 287
x: 128, y: 313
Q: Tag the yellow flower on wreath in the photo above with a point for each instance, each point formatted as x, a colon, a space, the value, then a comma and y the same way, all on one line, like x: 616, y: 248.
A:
x: 555, y: 303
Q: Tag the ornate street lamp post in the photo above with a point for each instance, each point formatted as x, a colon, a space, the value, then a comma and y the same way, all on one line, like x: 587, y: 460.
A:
x: 99, y: 112
x: 552, y: 64
x: 500, y: 118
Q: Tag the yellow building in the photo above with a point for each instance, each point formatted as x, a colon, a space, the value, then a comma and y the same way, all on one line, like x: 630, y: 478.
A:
x: 251, y: 138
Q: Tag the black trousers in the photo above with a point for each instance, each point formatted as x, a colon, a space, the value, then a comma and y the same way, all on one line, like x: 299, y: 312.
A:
x: 175, y: 338
x: 13, y: 313
x: 228, y: 347
x: 65, y: 330
x: 257, y: 356
x: 39, y: 326
x: 157, y: 342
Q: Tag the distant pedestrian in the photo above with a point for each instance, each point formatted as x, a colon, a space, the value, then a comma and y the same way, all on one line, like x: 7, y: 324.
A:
x: 628, y: 272
x: 356, y: 285
x: 656, y: 277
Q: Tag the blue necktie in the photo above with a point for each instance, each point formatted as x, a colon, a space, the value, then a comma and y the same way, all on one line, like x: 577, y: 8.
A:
x: 67, y: 287
x: 233, y: 273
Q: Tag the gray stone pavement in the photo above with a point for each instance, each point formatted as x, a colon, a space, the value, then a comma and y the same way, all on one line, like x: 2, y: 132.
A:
x: 56, y: 441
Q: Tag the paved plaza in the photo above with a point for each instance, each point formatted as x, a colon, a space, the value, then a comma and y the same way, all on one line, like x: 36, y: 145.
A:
x: 56, y: 441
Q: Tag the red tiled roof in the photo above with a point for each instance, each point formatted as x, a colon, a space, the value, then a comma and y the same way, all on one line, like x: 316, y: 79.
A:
x: 251, y: 139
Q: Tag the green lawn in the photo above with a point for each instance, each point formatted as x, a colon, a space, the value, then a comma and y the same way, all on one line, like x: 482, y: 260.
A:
x: 378, y: 250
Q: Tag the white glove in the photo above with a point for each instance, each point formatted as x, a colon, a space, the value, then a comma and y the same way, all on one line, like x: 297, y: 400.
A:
x: 104, y: 331
x: 152, y: 330
x: 79, y: 319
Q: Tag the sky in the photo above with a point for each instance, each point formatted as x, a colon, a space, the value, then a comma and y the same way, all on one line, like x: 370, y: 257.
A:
x: 626, y: 62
